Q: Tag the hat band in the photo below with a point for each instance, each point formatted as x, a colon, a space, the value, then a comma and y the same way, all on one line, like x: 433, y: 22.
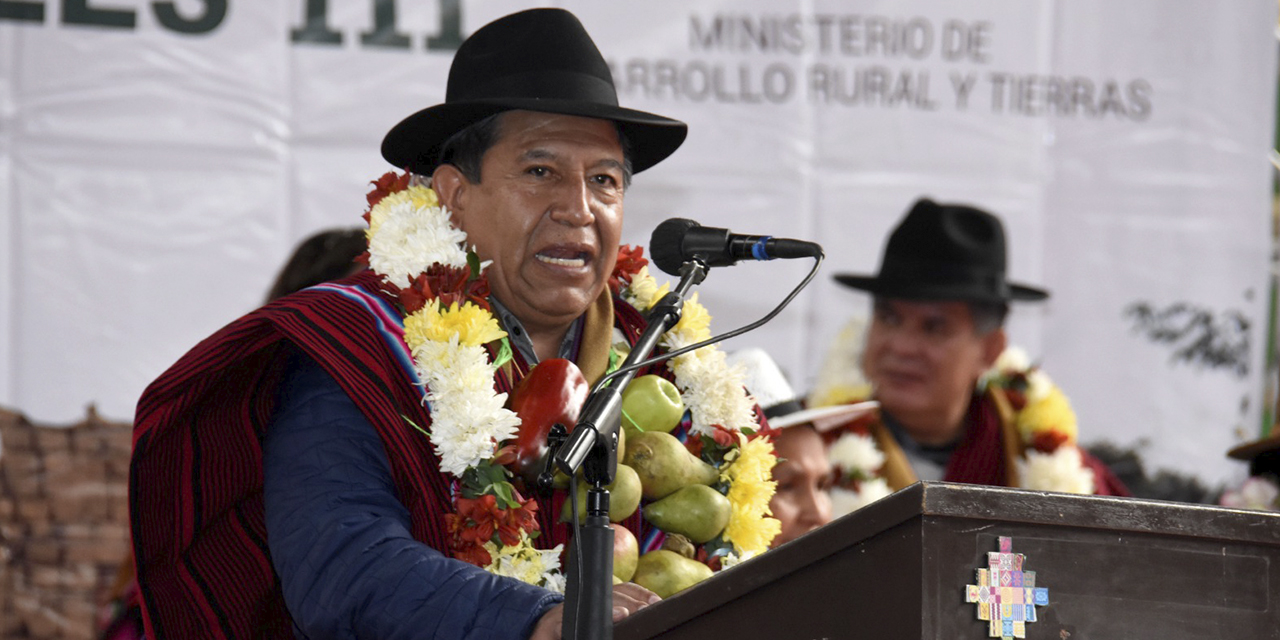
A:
x: 782, y: 409
x: 542, y: 85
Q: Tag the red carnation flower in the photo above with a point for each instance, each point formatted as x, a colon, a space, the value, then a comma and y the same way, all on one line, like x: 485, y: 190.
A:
x: 629, y: 263
x: 389, y: 183
x: 1048, y: 441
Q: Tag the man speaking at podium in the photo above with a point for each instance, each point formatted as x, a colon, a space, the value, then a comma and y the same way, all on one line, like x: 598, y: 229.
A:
x: 282, y: 482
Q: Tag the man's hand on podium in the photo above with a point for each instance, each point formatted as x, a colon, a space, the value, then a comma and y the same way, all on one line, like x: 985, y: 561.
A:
x: 628, y: 598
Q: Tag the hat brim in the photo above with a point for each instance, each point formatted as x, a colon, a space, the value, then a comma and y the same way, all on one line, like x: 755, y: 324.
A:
x: 1250, y: 450
x: 414, y: 143
x: 928, y: 291
x: 825, y: 418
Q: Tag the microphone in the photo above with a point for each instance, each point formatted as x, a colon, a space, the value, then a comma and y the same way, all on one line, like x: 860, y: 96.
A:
x: 679, y: 240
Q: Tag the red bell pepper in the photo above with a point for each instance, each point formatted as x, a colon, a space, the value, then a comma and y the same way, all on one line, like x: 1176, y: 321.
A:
x: 553, y: 392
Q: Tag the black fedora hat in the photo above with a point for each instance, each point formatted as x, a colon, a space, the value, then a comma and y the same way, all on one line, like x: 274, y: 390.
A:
x: 536, y: 60
x: 944, y: 252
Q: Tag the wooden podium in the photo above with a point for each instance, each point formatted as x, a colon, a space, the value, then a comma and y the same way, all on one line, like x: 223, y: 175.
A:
x: 1114, y: 569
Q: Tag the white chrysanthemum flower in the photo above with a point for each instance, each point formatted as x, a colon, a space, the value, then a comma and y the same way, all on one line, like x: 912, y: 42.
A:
x: 527, y: 564
x: 732, y: 559
x: 713, y: 391
x: 1038, y: 385
x: 409, y: 238
x: 644, y: 290
x: 554, y: 582
x: 1013, y: 358
x: 1257, y: 492
x: 1061, y: 471
x: 844, y: 501
x: 467, y: 417
x: 856, y: 455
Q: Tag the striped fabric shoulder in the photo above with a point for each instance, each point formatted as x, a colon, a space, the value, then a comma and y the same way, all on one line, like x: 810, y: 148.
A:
x: 388, y: 321
x: 196, y: 475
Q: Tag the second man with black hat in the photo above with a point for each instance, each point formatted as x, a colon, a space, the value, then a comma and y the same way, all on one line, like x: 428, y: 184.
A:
x: 936, y: 333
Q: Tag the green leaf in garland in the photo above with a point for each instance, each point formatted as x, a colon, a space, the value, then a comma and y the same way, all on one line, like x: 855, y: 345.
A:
x: 473, y: 261
x: 504, y: 353
x: 415, y: 426
x: 494, y: 474
x: 503, y: 491
x: 615, y: 360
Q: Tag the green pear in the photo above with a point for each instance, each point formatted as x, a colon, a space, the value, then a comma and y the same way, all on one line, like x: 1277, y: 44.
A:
x: 667, y: 573
x: 624, y: 497
x: 664, y: 465
x: 626, y: 553
x: 696, y: 512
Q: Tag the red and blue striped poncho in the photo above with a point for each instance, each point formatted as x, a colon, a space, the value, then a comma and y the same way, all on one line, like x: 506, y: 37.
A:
x: 196, y: 502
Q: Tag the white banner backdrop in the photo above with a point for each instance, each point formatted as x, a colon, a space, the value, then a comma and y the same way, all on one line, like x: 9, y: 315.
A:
x: 159, y: 160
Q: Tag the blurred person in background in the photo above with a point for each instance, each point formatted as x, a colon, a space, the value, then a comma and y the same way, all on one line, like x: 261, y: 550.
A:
x: 955, y: 403
x: 1261, y: 490
x: 802, y: 501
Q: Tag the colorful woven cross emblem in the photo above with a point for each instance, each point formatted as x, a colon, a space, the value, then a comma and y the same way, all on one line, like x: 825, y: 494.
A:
x: 1006, y: 595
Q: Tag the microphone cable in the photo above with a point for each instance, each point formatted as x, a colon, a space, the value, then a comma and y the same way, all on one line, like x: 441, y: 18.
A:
x: 817, y: 262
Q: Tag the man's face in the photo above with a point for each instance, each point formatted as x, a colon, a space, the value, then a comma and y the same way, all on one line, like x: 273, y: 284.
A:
x: 923, y: 358
x: 802, y: 502
x: 548, y: 212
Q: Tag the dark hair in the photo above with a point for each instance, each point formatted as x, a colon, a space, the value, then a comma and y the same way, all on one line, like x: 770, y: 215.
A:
x: 987, y: 316
x: 324, y: 256
x: 466, y: 148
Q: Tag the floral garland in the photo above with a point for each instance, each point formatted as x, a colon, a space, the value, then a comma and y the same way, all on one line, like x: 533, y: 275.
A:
x: 442, y: 290
x: 1051, y: 460
x: 857, y: 461
x: 1256, y: 492
x: 722, y: 416
x: 1046, y: 423
x: 441, y: 287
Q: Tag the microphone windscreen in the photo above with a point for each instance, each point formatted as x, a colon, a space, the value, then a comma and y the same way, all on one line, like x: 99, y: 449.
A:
x: 666, y: 244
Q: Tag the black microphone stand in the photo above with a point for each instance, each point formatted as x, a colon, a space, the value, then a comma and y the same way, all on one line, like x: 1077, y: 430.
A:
x: 594, y: 443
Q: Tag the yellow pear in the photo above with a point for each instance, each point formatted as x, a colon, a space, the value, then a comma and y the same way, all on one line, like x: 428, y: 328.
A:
x: 697, y: 512
x: 667, y: 573
x: 665, y: 465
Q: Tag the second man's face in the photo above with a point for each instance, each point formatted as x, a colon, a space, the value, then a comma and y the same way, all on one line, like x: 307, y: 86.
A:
x: 548, y: 213
x: 923, y: 358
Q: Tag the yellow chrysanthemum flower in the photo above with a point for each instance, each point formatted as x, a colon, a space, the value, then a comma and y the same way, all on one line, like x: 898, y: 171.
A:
x: 695, y: 322
x: 1050, y: 412
x: 840, y: 394
x: 417, y: 196
x: 751, y: 487
x: 471, y: 324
